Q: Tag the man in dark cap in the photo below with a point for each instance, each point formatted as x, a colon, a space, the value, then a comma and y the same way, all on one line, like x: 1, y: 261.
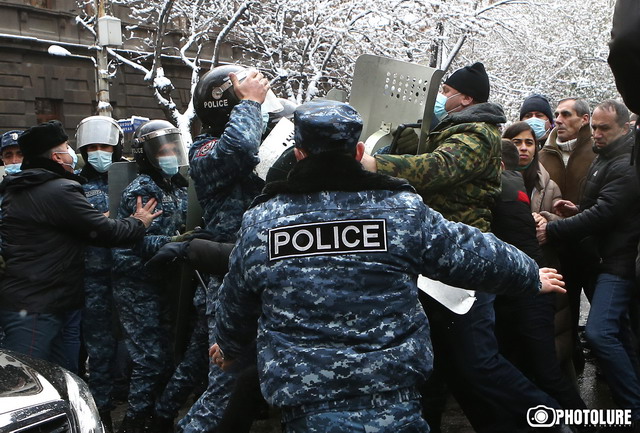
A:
x: 10, y: 152
x: 328, y: 260
x: 47, y: 222
x: 459, y: 176
x: 536, y: 111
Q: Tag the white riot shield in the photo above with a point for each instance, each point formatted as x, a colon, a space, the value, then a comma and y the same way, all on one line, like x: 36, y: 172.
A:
x: 121, y: 174
x: 388, y: 92
x: 278, y: 140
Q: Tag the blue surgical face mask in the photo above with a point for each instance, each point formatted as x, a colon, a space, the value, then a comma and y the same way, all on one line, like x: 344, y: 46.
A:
x: 538, y: 126
x: 100, y: 160
x: 439, y: 109
x: 12, y: 168
x: 168, y: 164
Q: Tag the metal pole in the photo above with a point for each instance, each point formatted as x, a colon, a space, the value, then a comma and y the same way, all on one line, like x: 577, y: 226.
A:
x: 102, y: 80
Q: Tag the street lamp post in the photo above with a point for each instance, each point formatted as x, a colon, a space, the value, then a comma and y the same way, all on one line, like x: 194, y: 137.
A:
x: 108, y: 33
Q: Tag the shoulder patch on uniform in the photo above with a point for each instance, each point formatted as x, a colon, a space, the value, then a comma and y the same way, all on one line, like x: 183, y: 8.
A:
x: 328, y: 238
x: 205, y: 148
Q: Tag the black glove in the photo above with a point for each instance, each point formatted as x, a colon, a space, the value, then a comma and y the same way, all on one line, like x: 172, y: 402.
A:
x: 168, y: 253
x: 197, y: 233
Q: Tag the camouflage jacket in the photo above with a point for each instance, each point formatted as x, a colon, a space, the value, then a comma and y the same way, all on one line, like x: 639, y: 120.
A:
x: 459, y: 175
x: 97, y: 260
x: 329, y: 266
x: 130, y: 261
x: 222, y: 171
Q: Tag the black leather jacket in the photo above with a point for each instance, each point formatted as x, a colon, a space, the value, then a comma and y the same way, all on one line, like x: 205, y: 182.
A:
x: 47, y: 222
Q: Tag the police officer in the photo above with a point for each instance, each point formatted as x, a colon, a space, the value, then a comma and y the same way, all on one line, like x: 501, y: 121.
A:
x: 11, y: 156
x: 328, y: 259
x: 139, y: 294
x: 99, y: 140
x: 221, y: 164
x: 10, y: 152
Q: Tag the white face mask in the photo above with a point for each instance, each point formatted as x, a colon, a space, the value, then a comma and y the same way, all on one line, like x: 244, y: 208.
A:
x: 74, y: 158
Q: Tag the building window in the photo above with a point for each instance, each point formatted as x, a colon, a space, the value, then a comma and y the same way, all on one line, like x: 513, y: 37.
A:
x: 48, y: 109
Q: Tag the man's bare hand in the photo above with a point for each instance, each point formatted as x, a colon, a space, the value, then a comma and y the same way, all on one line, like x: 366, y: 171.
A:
x: 565, y: 208
x: 369, y: 162
x: 254, y: 87
x: 541, y: 233
x: 217, y: 357
x: 551, y: 281
x: 145, y: 213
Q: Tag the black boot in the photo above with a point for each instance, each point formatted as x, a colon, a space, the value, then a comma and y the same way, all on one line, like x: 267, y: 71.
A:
x: 105, y: 417
x: 134, y: 424
x: 161, y: 425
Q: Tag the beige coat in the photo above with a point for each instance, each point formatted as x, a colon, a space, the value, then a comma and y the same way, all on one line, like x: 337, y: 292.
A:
x: 545, y: 193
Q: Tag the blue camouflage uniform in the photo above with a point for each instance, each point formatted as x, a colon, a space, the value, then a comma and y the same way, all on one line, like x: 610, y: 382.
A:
x: 222, y: 170
x: 324, y: 274
x: 139, y: 293
x: 98, y: 334
x: 340, y: 325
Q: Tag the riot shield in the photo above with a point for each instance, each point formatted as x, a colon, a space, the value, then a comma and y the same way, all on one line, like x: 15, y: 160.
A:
x: 388, y: 92
x: 121, y: 174
x: 278, y: 140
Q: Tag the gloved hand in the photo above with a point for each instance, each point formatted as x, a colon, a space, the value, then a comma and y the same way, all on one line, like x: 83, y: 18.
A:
x: 168, y: 253
x: 197, y: 233
x: 407, y: 142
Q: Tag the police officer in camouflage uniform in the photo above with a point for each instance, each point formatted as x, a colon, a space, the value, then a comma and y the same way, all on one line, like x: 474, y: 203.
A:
x: 139, y: 294
x: 221, y: 165
x: 328, y: 260
x: 99, y: 140
x: 459, y: 176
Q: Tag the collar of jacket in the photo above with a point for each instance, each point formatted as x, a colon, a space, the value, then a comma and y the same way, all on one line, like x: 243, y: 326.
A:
x: 51, y: 165
x: 583, y: 139
x: 331, y: 172
x: 619, y: 147
x: 485, y: 112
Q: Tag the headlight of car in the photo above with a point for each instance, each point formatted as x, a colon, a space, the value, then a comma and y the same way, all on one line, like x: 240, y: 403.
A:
x: 84, y: 407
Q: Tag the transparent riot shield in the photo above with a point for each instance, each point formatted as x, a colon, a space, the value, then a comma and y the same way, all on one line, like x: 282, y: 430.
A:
x: 388, y: 93
x: 121, y: 174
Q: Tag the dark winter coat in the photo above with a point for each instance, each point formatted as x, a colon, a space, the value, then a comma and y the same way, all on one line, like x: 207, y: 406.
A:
x: 46, y: 226
x: 608, y: 225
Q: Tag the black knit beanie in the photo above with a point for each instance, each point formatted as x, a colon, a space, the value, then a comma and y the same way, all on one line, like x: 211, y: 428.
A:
x: 472, y: 81
x: 536, y: 103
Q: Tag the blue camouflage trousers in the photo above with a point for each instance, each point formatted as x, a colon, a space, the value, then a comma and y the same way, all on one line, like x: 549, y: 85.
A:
x: 389, y: 412
x: 99, y: 339
x: 146, y: 327
x: 191, y: 371
x: 206, y: 413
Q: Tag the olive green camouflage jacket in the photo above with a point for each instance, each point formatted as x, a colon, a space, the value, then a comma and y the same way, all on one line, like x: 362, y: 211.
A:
x: 459, y: 175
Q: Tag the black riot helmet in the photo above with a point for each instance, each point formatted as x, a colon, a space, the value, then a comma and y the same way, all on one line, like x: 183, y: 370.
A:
x: 158, y: 147
x: 214, y: 98
x: 99, y: 130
